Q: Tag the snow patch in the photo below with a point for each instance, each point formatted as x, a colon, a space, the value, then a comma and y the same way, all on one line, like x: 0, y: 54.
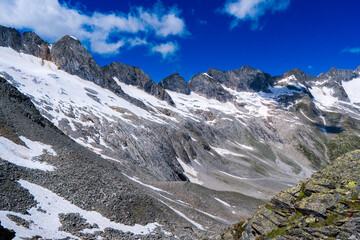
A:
x: 199, y: 226
x: 46, y: 223
x: 26, y: 156
x: 146, y: 185
x: 223, y: 152
x: 352, y: 88
x: 222, y: 202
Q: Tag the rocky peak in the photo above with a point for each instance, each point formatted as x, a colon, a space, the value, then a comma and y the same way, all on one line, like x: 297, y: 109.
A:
x: 358, y: 69
x: 205, y: 84
x: 339, y: 75
x: 32, y: 44
x: 135, y: 76
x: 244, y: 79
x: 175, y: 83
x: 299, y: 77
x: 10, y: 37
x: 70, y: 55
x: 28, y: 42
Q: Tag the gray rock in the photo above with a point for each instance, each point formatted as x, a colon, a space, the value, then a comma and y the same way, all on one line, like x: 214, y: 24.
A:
x: 333, y: 80
x: 208, y: 87
x: 135, y: 76
x: 244, y: 79
x: 10, y: 37
x: 32, y: 44
x: 175, y: 83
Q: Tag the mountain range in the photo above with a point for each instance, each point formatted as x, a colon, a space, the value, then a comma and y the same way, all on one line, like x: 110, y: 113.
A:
x: 91, y: 152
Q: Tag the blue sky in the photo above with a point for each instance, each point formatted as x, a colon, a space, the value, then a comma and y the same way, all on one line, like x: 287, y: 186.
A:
x: 184, y: 36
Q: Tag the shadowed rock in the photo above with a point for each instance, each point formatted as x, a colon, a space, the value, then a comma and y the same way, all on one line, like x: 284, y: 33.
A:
x: 243, y: 79
x: 32, y: 44
x: 175, y: 83
x: 206, y: 85
x: 10, y: 37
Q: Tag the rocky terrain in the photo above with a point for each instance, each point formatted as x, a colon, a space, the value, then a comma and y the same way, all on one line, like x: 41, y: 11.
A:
x: 325, y: 206
x: 173, y: 159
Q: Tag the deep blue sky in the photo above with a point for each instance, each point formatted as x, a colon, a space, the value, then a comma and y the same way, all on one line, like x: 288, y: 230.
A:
x: 308, y: 34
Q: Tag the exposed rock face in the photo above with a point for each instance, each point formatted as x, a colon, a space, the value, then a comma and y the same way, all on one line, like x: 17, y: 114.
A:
x: 297, y: 76
x: 6, y: 234
x: 244, y: 79
x: 10, y: 37
x: 324, y: 206
x: 206, y: 85
x: 135, y: 76
x: 71, y: 56
x: 332, y: 80
x: 34, y: 45
x: 175, y: 83
x: 28, y: 42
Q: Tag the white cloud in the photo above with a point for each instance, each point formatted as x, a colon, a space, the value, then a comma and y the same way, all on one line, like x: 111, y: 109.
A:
x: 51, y: 20
x: 351, y: 50
x: 166, y: 49
x: 244, y: 10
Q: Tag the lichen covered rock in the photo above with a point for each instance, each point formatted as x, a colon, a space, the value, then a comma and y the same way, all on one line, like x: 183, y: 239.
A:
x: 327, y: 205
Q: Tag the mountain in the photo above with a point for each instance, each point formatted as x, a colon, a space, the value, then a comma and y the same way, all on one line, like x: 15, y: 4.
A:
x: 111, y: 148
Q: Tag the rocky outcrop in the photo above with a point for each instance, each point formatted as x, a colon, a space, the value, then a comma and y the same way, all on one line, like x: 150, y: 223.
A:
x: 28, y: 42
x: 6, y: 234
x: 324, y: 206
x: 297, y: 77
x: 209, y: 87
x: 243, y: 79
x: 32, y: 44
x: 70, y: 55
x: 175, y: 83
x: 10, y: 37
x: 135, y: 76
x: 333, y: 80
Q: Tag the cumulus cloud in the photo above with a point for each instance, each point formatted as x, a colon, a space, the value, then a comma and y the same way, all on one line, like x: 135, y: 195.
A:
x: 252, y: 10
x: 166, y: 49
x: 351, y: 50
x: 52, y: 20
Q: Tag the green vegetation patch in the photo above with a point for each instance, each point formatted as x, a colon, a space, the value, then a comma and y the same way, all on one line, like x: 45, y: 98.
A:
x: 342, y: 143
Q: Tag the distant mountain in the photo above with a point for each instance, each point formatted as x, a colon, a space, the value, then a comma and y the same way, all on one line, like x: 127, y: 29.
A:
x: 182, y: 159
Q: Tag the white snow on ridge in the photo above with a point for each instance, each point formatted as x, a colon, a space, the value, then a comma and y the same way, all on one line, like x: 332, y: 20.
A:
x: 222, y: 202
x: 223, y: 152
x: 66, y: 94
x: 25, y: 156
x: 47, y: 223
x: 352, y: 89
x: 199, y: 226
x: 323, y: 96
x: 146, y: 185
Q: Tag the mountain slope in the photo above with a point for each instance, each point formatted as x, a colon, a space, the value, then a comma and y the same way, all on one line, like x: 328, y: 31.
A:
x: 325, y: 206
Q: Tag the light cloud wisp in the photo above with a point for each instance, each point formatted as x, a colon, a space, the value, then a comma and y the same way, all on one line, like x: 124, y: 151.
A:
x: 52, y: 20
x: 251, y: 10
x: 166, y: 49
x: 353, y: 50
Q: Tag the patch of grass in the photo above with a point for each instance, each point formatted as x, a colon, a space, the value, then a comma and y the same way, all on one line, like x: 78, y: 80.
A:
x: 331, y: 219
x: 311, y: 156
x: 342, y: 143
x: 277, y: 232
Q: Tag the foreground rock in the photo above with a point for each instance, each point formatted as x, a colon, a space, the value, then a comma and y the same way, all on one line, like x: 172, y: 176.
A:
x: 327, y: 205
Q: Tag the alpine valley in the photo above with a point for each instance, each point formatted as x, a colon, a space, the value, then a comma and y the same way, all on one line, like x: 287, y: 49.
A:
x: 91, y: 152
